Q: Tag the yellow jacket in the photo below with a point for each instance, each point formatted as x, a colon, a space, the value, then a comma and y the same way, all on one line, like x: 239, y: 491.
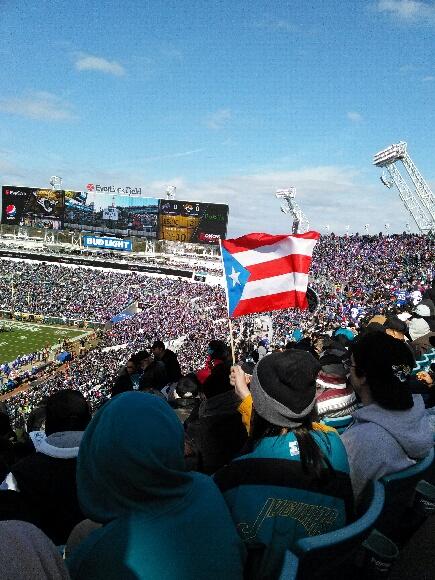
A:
x: 245, y: 409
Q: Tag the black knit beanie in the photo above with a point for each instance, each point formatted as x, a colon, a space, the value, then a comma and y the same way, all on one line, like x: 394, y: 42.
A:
x: 66, y: 410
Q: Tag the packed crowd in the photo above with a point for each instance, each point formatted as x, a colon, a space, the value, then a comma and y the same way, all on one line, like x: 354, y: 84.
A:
x: 70, y: 293
x: 344, y: 274
x: 175, y: 310
x: 241, y: 430
x: 91, y: 374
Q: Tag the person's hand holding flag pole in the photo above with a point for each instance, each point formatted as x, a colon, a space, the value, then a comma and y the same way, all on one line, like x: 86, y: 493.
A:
x: 266, y: 272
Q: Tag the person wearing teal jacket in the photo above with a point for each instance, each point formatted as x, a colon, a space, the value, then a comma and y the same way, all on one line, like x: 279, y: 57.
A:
x: 293, y: 480
x: 159, y: 520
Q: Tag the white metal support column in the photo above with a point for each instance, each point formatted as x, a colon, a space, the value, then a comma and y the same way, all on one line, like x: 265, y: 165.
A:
x: 300, y: 221
x: 420, y: 203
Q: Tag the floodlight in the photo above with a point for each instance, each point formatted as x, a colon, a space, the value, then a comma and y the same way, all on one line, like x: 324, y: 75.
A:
x: 170, y: 192
x: 286, y: 193
x: 56, y: 182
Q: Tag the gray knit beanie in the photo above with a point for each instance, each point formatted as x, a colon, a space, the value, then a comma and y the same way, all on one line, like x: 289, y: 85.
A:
x: 283, y: 387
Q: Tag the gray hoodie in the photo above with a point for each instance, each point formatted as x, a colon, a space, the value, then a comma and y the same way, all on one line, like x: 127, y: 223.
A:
x: 380, y: 441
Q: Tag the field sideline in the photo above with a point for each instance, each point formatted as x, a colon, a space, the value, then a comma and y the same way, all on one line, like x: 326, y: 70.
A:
x: 28, y: 337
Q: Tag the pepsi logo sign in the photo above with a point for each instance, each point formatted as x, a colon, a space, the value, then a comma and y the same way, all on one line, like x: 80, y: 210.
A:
x: 11, y: 211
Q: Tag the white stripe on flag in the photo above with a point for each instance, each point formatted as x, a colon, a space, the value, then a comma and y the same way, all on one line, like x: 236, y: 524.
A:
x: 274, y: 285
x: 280, y: 249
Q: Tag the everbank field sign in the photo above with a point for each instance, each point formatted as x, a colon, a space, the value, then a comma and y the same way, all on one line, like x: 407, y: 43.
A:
x: 127, y: 190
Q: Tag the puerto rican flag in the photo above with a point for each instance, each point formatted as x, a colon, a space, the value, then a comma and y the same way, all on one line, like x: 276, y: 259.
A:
x: 266, y: 272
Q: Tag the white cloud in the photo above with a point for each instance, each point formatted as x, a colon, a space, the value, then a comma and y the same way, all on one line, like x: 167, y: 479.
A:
x: 429, y: 78
x: 172, y: 53
x: 10, y: 168
x: 334, y: 195
x: 97, y: 63
x: 407, y: 68
x: 173, y: 155
x: 408, y: 10
x: 123, y: 165
x: 218, y: 119
x: 326, y: 194
x: 354, y: 116
x: 38, y: 105
x: 277, y: 25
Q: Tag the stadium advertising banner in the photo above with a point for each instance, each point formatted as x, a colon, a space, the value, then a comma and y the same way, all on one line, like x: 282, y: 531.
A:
x: 107, y: 243
x: 113, y: 189
x: 31, y: 206
x: 112, y: 212
x: 195, y: 222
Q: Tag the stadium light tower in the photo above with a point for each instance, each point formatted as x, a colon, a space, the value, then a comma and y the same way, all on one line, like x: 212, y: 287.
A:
x: 289, y: 206
x: 421, y: 202
x: 170, y: 192
x: 56, y: 182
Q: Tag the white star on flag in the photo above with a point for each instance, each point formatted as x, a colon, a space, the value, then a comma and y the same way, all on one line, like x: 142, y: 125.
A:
x: 234, y: 276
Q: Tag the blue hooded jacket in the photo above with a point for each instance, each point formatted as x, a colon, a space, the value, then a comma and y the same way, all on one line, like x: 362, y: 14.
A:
x: 159, y: 521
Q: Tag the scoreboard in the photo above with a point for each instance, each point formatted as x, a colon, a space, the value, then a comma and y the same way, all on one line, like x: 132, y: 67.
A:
x: 119, y: 215
x: 196, y: 222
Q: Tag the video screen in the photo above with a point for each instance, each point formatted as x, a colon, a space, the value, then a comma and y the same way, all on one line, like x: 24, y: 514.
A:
x: 195, y: 222
x: 29, y: 206
x: 121, y: 214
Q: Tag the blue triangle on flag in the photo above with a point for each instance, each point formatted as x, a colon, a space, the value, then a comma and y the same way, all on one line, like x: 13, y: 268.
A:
x: 236, y: 277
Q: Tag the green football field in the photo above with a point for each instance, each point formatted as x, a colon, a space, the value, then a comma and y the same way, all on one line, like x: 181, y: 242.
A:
x: 27, y: 337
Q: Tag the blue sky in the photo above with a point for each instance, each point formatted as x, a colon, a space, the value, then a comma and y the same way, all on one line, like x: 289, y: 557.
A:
x: 226, y: 100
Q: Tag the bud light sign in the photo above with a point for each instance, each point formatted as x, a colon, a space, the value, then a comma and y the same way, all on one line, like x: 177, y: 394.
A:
x: 107, y: 243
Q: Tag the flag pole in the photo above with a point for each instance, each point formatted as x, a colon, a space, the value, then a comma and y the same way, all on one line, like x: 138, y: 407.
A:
x: 230, y: 324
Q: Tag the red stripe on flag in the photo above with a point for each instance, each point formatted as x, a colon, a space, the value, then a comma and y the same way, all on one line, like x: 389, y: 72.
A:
x: 292, y: 263
x: 308, y: 235
x: 292, y: 299
x: 251, y: 242
x: 257, y: 240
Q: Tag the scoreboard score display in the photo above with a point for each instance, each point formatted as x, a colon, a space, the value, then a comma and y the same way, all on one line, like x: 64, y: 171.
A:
x: 195, y: 222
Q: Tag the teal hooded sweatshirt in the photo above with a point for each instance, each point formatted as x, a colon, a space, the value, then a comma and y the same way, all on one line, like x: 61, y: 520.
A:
x: 159, y: 520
